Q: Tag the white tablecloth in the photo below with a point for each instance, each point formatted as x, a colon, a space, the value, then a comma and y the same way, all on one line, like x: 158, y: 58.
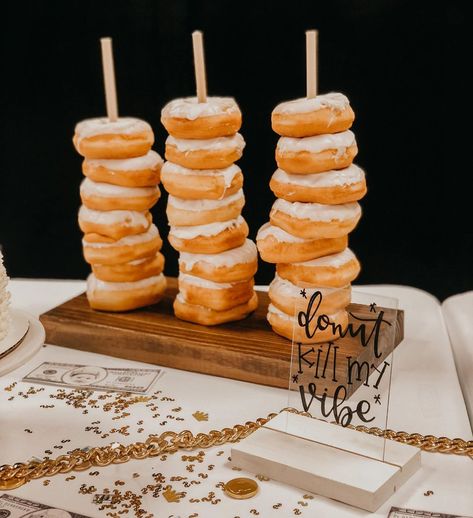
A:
x: 426, y: 398
x: 458, y: 312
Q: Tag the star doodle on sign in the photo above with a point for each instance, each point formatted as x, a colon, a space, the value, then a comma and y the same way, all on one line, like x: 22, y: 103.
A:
x: 304, y: 293
x: 295, y: 378
x: 373, y: 307
x: 377, y: 399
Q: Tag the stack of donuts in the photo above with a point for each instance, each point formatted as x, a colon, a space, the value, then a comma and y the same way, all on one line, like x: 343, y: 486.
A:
x: 217, y: 262
x: 121, y: 243
x: 317, y: 187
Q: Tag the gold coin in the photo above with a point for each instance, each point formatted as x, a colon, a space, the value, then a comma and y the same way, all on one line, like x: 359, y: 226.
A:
x: 241, y: 488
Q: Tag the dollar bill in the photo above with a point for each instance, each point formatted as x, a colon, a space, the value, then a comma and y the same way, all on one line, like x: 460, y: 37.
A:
x: 399, y: 512
x: 121, y: 379
x: 14, y: 507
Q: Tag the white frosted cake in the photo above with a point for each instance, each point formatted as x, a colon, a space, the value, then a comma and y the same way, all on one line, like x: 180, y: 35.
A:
x: 4, y: 301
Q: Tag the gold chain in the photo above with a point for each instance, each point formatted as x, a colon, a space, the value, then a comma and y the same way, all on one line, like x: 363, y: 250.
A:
x: 15, y: 475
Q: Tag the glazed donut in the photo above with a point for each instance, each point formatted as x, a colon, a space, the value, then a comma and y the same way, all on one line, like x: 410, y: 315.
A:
x: 113, y: 223
x: 287, y: 296
x: 183, y: 212
x: 232, y: 265
x: 186, y: 118
x: 209, y: 317
x: 130, y: 272
x: 105, y: 196
x: 333, y: 187
x: 126, y: 137
x: 277, y: 246
x: 104, y: 250
x: 215, y: 153
x: 288, y: 327
x: 313, y: 220
x: 328, y: 113
x: 209, y: 239
x: 142, y: 171
x: 123, y: 296
x: 214, y: 295
x: 196, y: 184
x: 335, y: 270
x: 316, y: 154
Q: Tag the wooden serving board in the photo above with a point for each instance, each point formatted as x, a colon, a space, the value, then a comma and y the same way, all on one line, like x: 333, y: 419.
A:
x: 247, y: 350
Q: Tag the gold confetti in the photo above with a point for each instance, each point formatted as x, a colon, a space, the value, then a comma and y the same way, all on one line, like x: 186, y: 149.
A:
x: 72, y: 477
x: 172, y: 496
x: 10, y: 387
x: 200, y: 416
x: 46, y: 482
x: 136, y: 475
x: 308, y: 497
x: 428, y: 493
x: 277, y: 506
x: 297, y: 512
x: 302, y: 503
x: 262, y: 478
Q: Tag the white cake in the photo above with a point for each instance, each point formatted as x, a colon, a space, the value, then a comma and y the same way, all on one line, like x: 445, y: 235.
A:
x: 4, y: 301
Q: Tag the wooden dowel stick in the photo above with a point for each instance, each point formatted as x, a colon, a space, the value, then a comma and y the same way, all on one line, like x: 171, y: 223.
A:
x: 199, y: 65
x: 109, y: 79
x: 311, y: 63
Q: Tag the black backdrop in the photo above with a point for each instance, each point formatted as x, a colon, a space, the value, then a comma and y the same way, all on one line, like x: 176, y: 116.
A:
x: 388, y: 56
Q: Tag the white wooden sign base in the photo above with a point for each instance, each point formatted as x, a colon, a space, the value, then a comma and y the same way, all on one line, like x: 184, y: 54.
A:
x: 328, y: 460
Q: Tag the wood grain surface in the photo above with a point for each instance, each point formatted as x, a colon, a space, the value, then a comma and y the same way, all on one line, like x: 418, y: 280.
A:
x: 247, y: 350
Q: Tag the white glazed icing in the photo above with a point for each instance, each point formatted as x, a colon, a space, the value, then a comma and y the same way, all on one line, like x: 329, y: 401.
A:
x: 276, y: 311
x: 202, y: 283
x: 212, y: 229
x: 103, y: 126
x: 211, y: 144
x: 333, y: 100
x: 334, y: 260
x: 278, y: 233
x: 139, y: 261
x: 337, y: 177
x: 228, y: 173
x: 5, y: 318
x: 200, y: 205
x: 149, y: 161
x: 127, y: 218
x: 317, y: 211
x: 106, y: 190
x: 288, y: 290
x: 245, y: 253
x: 135, y: 239
x: 189, y: 108
x: 180, y: 298
x: 318, y: 143
x: 94, y: 284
